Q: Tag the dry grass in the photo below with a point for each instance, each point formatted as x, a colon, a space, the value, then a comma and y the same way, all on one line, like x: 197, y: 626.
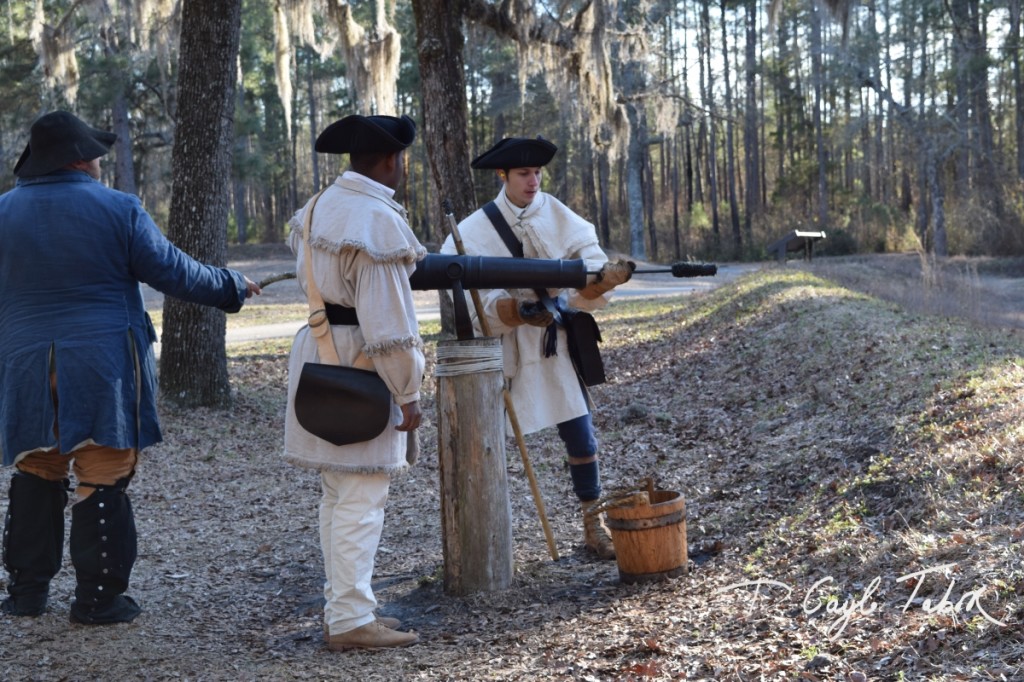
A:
x: 830, y: 444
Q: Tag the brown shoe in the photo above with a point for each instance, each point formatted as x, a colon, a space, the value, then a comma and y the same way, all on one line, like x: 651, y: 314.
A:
x: 386, y: 621
x: 595, y: 533
x: 371, y: 636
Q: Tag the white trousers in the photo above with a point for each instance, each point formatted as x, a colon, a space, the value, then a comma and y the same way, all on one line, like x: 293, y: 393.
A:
x: 351, y: 523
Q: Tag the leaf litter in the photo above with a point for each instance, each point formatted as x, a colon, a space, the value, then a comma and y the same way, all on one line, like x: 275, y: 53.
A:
x: 852, y: 472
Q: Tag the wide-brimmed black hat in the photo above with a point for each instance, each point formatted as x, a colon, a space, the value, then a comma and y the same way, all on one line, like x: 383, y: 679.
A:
x: 357, y: 134
x: 57, y: 139
x: 516, y: 152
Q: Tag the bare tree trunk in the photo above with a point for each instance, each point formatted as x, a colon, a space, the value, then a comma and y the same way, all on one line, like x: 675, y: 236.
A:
x: 677, y: 245
x: 730, y: 151
x: 961, y: 99
x: 865, y: 145
x: 887, y: 172
x: 687, y: 134
x: 937, y: 193
x: 751, y: 148
x: 988, y: 176
x: 1013, y: 45
x: 712, y: 151
x: 314, y: 114
x: 124, y: 166
x: 819, y: 138
x: 439, y: 42
x: 648, y: 173
x: 239, y: 188
x: 193, y: 361
x: 634, y: 181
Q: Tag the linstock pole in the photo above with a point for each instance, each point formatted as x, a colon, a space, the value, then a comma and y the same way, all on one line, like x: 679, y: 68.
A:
x: 506, y: 394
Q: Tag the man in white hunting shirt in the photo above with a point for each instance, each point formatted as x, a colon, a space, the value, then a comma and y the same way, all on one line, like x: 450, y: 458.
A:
x: 542, y: 380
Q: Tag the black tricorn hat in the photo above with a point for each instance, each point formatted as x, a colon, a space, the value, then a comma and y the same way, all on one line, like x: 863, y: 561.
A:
x: 517, y: 152
x: 57, y: 139
x: 357, y: 134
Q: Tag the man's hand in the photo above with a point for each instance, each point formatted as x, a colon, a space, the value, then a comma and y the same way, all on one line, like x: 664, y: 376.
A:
x: 514, y: 312
x: 411, y: 416
x: 611, y: 275
x: 614, y: 273
x: 251, y: 288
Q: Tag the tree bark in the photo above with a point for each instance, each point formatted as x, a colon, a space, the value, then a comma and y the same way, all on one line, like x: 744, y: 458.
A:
x: 439, y: 42
x: 193, y: 361
x: 634, y: 180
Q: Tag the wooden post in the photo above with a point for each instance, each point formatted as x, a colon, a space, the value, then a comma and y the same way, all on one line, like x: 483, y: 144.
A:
x: 476, y: 515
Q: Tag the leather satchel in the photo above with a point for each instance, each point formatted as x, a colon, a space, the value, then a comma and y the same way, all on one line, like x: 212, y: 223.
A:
x: 582, y: 337
x: 342, y: 405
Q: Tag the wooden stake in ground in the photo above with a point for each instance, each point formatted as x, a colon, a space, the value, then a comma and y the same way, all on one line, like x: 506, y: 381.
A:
x: 476, y: 515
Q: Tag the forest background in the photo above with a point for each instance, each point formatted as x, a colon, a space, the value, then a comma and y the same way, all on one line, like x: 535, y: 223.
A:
x: 690, y: 129
x: 687, y: 130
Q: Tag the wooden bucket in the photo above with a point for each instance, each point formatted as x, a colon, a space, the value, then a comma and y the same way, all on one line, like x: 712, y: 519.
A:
x: 650, y: 539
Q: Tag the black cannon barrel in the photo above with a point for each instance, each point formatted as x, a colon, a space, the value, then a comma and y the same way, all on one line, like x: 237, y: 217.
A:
x: 437, y: 271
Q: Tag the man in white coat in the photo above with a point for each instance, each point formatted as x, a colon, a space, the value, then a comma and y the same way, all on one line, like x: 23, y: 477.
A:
x: 362, y: 255
x: 542, y: 379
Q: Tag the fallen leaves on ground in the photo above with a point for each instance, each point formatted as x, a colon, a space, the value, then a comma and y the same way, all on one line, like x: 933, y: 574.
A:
x: 852, y: 473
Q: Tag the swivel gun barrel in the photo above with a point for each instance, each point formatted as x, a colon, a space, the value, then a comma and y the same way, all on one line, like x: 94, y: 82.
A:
x: 437, y: 271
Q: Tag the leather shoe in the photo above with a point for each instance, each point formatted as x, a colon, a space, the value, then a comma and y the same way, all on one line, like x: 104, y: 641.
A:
x: 25, y: 605
x: 120, y: 609
x: 386, y: 621
x: 371, y: 636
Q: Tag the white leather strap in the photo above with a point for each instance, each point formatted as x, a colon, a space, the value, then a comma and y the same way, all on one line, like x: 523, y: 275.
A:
x: 318, y: 324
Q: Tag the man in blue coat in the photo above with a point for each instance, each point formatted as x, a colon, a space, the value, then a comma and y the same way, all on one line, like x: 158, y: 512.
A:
x: 77, y: 370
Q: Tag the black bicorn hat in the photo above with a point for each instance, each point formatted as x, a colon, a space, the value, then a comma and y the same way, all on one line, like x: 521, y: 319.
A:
x: 57, y: 139
x: 516, y: 152
x: 357, y: 134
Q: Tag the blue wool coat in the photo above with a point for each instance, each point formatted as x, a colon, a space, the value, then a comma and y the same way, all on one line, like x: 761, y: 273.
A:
x: 72, y: 255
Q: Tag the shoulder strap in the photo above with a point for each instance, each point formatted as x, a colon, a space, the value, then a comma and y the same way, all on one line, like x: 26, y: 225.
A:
x: 319, y: 326
x: 503, y: 229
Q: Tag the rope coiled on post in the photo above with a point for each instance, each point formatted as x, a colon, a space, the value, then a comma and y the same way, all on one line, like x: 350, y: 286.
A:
x: 457, y: 359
